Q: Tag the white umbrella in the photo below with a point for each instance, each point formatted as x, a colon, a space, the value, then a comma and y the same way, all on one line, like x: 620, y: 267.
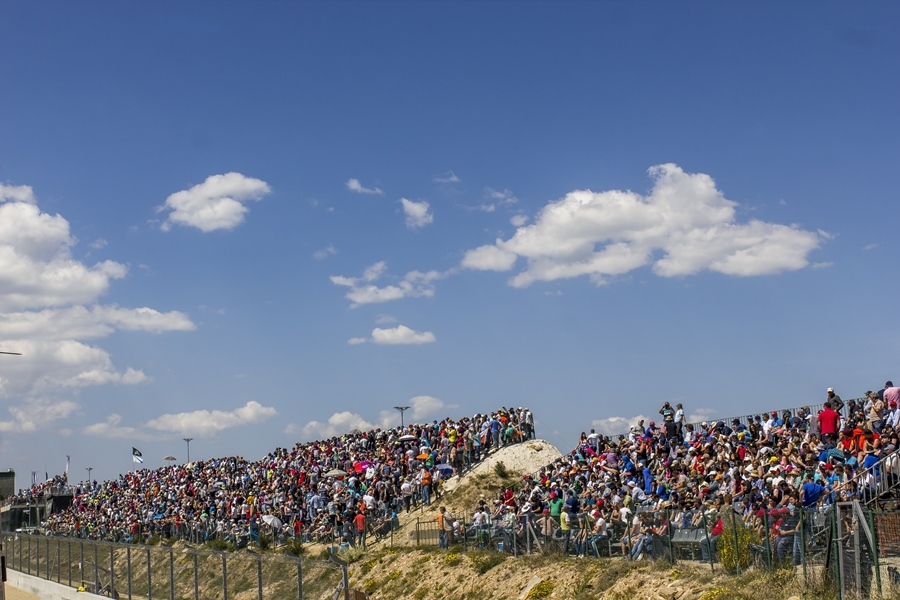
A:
x: 272, y: 520
x: 336, y: 473
x: 407, y: 438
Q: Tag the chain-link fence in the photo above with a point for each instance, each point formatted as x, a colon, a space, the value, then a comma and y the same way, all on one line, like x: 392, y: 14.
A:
x: 173, y: 573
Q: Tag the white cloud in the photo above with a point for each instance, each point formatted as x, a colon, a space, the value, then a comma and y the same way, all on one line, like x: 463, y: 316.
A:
x: 684, y: 218
x: 870, y: 246
x: 209, y: 422
x: 355, y: 186
x: 448, y: 177
x: 518, y: 220
x: 37, y: 413
x: 617, y: 425
x: 48, y: 308
x: 364, y: 291
x: 36, y: 266
x: 324, y: 252
x: 338, y: 424
x: 401, y: 335
x: 99, y: 244
x: 356, y: 341
x: 489, y: 258
x: 385, y: 320
x: 16, y: 193
x: 700, y: 414
x: 417, y: 215
x: 497, y: 199
x: 423, y: 408
x: 426, y: 407
x: 217, y: 203
x: 111, y: 428
x: 81, y: 322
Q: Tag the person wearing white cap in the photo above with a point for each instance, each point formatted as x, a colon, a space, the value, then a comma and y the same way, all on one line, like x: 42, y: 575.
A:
x: 836, y: 403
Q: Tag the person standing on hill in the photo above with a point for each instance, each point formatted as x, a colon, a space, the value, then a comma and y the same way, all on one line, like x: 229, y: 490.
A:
x: 835, y: 400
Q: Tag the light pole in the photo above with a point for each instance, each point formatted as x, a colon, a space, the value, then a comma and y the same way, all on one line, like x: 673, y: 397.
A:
x: 188, y: 440
x: 402, y: 410
x: 89, y: 469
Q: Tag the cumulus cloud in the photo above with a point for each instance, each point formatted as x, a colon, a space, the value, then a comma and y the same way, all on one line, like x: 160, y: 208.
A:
x: 337, y: 424
x: 518, y: 220
x: 112, y: 428
x: 699, y: 415
x: 617, y: 425
x: 682, y: 227
x: 399, y: 335
x: 217, y: 203
x: 36, y: 413
x: 324, y: 253
x: 417, y: 215
x: 16, y: 193
x: 363, y: 290
x: 426, y: 407
x: 448, y: 177
x: 489, y: 258
x: 355, y: 186
x: 82, y: 322
x: 48, y: 307
x: 423, y: 408
x: 209, y: 422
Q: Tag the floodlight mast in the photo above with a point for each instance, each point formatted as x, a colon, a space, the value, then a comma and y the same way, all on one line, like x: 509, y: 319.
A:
x: 3, y: 556
x: 402, y: 410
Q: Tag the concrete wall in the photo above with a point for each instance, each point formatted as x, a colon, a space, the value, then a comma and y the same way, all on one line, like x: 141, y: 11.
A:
x: 46, y: 590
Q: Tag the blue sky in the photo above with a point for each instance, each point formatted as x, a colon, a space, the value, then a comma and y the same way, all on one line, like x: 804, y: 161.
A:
x: 257, y: 223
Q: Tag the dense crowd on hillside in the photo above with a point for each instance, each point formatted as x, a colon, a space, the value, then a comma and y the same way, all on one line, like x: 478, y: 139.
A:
x: 765, y: 472
x: 339, y: 487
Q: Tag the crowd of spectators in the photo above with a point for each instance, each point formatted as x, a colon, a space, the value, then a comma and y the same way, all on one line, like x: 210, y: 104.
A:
x: 765, y: 472
x: 342, y: 488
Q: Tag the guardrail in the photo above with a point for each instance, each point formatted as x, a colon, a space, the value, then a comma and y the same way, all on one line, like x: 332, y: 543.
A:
x: 175, y: 572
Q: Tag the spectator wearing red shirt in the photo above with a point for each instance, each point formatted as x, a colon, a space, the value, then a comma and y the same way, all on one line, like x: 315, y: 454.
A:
x: 829, y: 420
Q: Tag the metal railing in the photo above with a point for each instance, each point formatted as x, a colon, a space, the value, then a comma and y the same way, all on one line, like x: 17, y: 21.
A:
x: 177, y: 573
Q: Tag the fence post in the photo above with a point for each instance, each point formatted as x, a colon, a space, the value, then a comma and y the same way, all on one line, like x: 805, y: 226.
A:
x: 149, y: 577
x: 224, y: 577
x: 768, y: 539
x: 37, y: 561
x: 670, y: 531
x: 875, y: 551
x: 128, y: 568
x: 112, y: 571
x: 737, y: 551
x: 81, y: 564
x: 196, y: 578
x: 58, y: 562
x: 259, y: 576
x: 171, y: 574
x: 299, y: 579
x: 96, y: 569
x: 803, y: 541
x: 709, y: 548
x: 69, y: 559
